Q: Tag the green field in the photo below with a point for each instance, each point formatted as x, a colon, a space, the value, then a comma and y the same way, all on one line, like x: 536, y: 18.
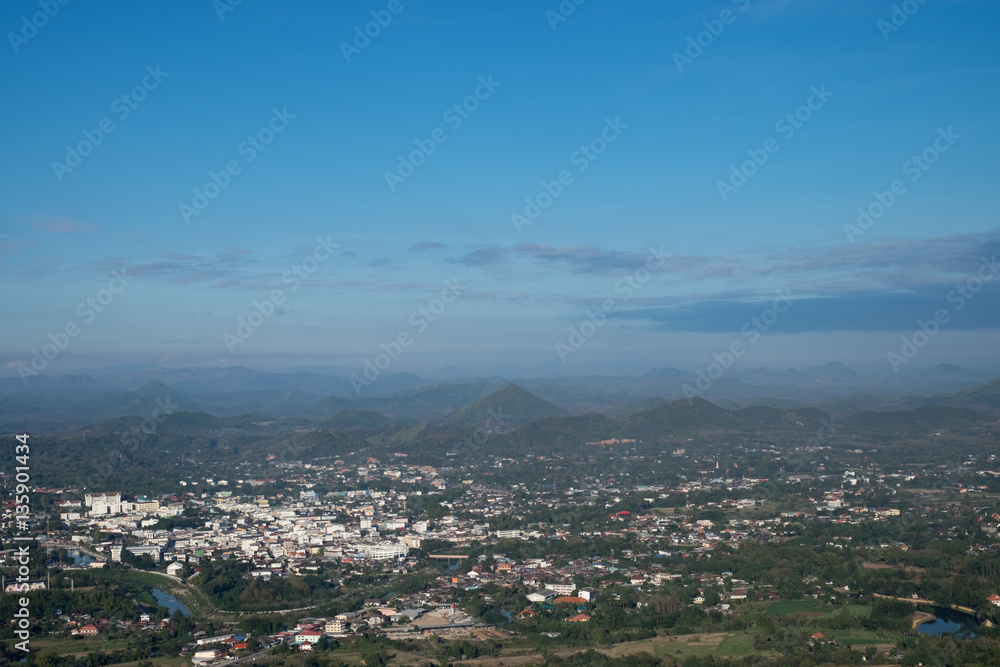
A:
x: 729, y: 644
x: 737, y: 645
x: 67, y: 645
x: 855, y: 610
x: 854, y: 638
x: 792, y: 606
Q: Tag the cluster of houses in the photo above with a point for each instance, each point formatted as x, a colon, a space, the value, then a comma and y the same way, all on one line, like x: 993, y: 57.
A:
x: 84, y: 625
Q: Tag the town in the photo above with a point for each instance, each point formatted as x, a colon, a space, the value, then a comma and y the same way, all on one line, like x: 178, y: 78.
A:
x: 404, y: 552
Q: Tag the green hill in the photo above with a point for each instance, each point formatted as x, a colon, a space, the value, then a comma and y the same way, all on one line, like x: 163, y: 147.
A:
x: 683, y: 416
x: 776, y: 403
x: 700, y: 417
x: 838, y: 406
x: 364, y: 420
x: 426, y: 403
x: 638, y: 406
x: 505, y: 409
x: 327, y: 407
x: 986, y: 397
x: 919, y: 421
x: 555, y: 433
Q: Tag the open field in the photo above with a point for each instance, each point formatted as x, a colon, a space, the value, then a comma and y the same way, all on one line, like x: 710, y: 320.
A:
x: 71, y: 646
x: 868, y: 565
x: 723, y: 644
x: 176, y: 661
x: 732, y: 644
x: 792, y: 606
x: 855, y: 610
x: 728, y: 644
x: 75, y: 645
x: 854, y: 638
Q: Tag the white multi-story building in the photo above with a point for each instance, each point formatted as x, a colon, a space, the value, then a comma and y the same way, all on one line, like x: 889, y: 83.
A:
x: 104, y: 503
x: 91, y: 499
x: 152, y: 550
x: 336, y: 626
x: 561, y: 588
x: 383, y: 551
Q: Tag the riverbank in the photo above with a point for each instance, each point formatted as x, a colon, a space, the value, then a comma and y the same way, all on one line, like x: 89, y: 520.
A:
x: 956, y: 607
x: 921, y: 617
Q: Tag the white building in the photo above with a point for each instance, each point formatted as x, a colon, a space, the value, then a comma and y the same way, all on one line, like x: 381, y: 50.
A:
x: 561, y: 589
x: 543, y: 595
x: 104, y: 503
x: 336, y: 626
x: 383, y: 551
x: 153, y: 550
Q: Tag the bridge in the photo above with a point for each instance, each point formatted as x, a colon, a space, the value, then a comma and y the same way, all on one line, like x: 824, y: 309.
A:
x: 452, y: 559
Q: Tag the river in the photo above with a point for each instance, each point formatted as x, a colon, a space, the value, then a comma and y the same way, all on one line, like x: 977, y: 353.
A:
x: 170, y: 602
x: 948, y: 621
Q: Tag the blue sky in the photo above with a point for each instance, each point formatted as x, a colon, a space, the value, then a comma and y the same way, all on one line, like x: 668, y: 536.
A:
x: 343, y: 122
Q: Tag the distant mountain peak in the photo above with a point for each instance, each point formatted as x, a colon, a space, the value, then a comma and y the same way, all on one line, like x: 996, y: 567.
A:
x: 156, y: 389
x: 832, y: 369
x: 671, y: 373
x: 506, y: 408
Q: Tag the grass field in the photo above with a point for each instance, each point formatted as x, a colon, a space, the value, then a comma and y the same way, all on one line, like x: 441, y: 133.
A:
x: 854, y: 638
x: 739, y: 645
x: 69, y: 645
x: 72, y: 646
x: 792, y: 606
x: 176, y: 661
x: 685, y: 645
x: 855, y: 610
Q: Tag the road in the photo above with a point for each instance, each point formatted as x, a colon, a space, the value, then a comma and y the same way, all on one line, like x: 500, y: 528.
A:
x: 966, y: 610
x: 249, y: 658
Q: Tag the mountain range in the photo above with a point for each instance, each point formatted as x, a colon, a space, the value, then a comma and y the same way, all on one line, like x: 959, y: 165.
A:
x: 597, y: 406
